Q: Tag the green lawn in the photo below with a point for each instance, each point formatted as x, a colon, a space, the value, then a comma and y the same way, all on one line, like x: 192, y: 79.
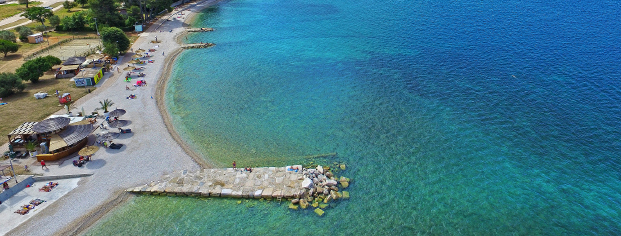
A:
x: 9, y: 10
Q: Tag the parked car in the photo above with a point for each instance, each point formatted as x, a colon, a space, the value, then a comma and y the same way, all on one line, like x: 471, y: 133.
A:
x: 44, y: 7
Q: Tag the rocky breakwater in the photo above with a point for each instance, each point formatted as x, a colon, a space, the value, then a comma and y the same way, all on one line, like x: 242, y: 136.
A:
x: 198, y: 45
x: 199, y: 29
x: 322, y: 188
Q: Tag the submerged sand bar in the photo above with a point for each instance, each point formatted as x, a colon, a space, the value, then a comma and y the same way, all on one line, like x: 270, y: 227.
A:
x: 265, y: 182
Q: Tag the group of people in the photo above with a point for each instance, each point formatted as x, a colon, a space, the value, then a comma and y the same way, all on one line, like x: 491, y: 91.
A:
x: 26, y: 208
x: 245, y: 169
x: 48, y: 187
x: 81, y: 161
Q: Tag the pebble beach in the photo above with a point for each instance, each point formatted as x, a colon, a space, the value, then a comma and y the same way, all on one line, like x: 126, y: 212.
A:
x: 150, y: 152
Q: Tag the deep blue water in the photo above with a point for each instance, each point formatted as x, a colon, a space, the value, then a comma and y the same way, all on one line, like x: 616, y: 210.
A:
x: 455, y: 117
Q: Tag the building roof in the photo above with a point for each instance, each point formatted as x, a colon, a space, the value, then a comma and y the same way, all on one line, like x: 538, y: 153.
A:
x: 74, y: 61
x: 75, y: 133
x: 70, y: 67
x: 71, y: 135
x: 88, y: 72
x: 25, y: 128
x: 51, y: 124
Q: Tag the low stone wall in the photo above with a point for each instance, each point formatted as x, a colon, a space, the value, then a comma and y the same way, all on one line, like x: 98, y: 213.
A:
x: 56, y: 177
x: 6, y: 194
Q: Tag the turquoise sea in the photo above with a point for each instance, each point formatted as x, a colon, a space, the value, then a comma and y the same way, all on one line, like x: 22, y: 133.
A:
x: 453, y: 117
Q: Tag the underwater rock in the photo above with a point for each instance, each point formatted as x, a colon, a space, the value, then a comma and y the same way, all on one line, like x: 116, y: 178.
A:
x: 319, y: 211
x: 294, y: 207
x: 342, y: 166
x: 344, y: 184
x: 303, y: 204
x: 315, y: 204
x: 345, y: 195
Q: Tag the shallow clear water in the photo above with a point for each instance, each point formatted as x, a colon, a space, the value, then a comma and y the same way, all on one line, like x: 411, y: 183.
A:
x: 454, y: 118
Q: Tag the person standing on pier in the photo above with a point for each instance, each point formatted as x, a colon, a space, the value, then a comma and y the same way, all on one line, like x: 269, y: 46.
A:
x: 234, y: 165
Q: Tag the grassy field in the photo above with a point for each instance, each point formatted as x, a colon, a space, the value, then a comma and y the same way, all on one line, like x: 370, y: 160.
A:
x: 23, y: 107
x: 9, y: 10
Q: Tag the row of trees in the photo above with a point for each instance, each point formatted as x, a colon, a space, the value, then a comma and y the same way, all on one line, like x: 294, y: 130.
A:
x: 30, y: 71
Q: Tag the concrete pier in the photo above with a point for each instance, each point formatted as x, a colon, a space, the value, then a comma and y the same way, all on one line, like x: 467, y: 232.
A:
x: 198, y: 45
x: 265, y: 182
x: 199, y: 29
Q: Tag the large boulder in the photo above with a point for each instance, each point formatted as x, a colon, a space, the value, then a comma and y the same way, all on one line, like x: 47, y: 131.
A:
x: 307, y: 183
x: 319, y: 169
x: 331, y: 183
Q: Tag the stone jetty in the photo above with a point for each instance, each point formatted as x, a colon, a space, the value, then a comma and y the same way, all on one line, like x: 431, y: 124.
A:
x: 198, y: 45
x: 199, y: 29
x: 314, y: 187
x: 265, y: 182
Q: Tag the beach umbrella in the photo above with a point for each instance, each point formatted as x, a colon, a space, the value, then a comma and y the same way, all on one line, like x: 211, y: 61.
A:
x: 140, y: 50
x: 129, y: 68
x: 88, y: 150
x: 117, y: 112
x: 137, y: 56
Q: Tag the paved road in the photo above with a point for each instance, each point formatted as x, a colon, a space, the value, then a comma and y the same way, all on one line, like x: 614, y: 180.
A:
x: 45, y: 3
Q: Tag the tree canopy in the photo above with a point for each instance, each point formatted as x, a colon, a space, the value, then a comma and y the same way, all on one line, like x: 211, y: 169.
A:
x: 105, y: 12
x: 10, y: 84
x: 7, y: 46
x: 113, y: 35
x: 68, y: 5
x: 38, y: 14
x: 52, y: 60
x: 81, y: 2
x: 33, y: 69
x: 75, y: 21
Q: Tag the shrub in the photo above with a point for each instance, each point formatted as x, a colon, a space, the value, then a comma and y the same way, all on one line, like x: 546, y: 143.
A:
x: 8, y: 35
x: 10, y: 84
x: 23, y: 32
x: 40, y: 28
x: 54, y: 20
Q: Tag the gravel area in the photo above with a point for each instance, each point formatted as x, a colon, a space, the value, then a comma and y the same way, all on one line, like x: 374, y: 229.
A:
x: 148, y: 153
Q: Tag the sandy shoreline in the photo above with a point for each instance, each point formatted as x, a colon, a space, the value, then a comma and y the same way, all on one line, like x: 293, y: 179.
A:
x: 154, y: 149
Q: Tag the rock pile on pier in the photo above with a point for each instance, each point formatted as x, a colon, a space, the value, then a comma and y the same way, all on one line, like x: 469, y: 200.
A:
x: 321, y: 187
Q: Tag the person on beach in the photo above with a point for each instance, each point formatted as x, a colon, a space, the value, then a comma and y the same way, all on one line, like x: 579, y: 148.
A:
x: 43, y: 165
x: 234, y: 167
x: 5, y: 185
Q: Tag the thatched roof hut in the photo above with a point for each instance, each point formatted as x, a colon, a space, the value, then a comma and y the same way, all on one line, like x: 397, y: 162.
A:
x: 51, y: 125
